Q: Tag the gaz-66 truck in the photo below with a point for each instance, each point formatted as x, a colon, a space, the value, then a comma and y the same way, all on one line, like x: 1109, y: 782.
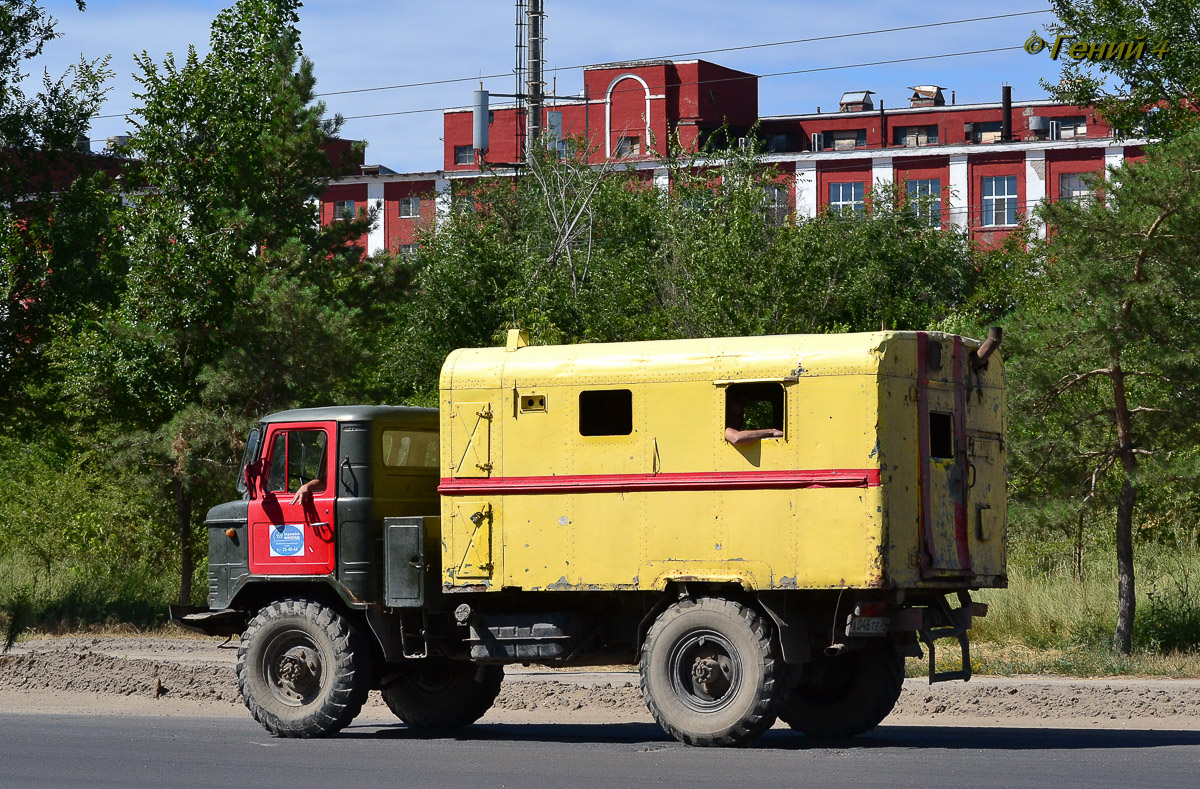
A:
x: 766, y: 526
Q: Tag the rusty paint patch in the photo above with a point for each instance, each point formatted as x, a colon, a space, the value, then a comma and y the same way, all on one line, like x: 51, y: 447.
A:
x: 483, y: 587
x: 563, y: 585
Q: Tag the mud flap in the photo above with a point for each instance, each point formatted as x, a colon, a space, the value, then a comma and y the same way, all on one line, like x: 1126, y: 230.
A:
x: 226, y: 622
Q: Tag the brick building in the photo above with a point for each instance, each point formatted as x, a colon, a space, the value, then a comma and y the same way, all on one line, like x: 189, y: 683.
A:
x: 979, y: 166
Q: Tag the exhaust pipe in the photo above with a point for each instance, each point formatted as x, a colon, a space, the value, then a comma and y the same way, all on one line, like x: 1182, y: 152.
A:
x: 980, y: 357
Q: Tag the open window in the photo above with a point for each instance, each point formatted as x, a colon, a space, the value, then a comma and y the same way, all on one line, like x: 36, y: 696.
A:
x: 754, y: 406
x: 606, y: 412
x: 941, y: 435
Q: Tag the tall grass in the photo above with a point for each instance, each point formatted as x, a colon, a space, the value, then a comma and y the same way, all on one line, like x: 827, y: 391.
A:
x: 65, y: 598
x: 1048, y: 621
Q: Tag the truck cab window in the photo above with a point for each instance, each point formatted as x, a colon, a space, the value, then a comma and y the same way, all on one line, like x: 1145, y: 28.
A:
x: 606, y: 412
x: 297, y: 456
x: 410, y: 449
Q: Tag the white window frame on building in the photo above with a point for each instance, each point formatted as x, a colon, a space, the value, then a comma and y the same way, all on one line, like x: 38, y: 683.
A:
x: 410, y: 207
x: 847, y: 196
x: 408, y: 250
x: 777, y: 207
x: 998, y: 201
x: 343, y: 210
x: 925, y: 197
x: 629, y: 145
x: 464, y: 154
x: 1076, y: 188
x: 915, y: 136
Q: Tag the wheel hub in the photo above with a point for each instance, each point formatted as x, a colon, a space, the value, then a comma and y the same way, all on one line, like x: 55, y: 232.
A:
x: 705, y: 672
x: 299, y: 670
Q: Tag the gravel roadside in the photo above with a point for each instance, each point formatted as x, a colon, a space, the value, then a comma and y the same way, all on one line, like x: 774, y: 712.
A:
x: 187, y: 676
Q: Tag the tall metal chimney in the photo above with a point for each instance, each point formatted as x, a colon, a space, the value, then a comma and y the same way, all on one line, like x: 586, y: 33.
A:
x: 534, y: 84
x: 1006, y: 114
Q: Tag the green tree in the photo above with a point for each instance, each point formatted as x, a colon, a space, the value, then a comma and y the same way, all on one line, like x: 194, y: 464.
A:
x: 1155, y: 95
x: 577, y: 253
x: 236, y: 302
x: 57, y: 240
x: 1106, y: 381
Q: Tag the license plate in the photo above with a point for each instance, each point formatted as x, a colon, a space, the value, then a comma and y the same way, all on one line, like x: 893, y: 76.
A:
x: 868, y: 626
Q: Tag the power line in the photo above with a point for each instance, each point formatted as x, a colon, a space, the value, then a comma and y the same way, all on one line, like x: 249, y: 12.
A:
x: 830, y: 37
x: 735, y: 79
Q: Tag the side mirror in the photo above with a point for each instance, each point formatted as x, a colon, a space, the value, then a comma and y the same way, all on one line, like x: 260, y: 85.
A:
x: 247, y: 479
x: 250, y: 479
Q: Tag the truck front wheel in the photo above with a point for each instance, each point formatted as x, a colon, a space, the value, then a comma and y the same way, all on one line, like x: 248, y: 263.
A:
x: 446, y: 695
x: 302, y: 669
x: 846, y: 695
x: 709, y: 672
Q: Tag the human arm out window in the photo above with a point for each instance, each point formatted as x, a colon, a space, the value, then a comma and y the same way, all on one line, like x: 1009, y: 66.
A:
x: 753, y: 411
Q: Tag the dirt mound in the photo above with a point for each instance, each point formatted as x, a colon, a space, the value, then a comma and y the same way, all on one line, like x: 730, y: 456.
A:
x: 1049, y: 700
x: 202, y: 670
x: 93, y: 672
x: 517, y: 694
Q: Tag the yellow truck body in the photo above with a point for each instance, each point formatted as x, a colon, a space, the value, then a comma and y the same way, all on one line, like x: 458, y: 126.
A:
x: 606, y: 466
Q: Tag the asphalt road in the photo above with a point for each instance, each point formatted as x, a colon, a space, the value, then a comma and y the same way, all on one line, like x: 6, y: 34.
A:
x: 130, y: 752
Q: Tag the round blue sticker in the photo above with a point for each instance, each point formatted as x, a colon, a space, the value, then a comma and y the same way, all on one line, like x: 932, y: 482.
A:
x: 287, y: 540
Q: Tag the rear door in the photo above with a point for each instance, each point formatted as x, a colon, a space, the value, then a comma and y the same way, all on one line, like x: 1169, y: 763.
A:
x: 297, y: 538
x: 945, y: 548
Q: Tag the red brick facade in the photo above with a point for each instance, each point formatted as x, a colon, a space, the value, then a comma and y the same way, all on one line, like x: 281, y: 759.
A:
x: 631, y: 110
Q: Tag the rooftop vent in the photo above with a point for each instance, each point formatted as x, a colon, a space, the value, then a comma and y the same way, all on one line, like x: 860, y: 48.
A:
x: 856, y: 101
x: 926, y: 96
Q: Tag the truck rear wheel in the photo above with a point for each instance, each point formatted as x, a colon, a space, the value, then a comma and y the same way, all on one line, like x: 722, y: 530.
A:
x: 302, y: 669
x: 709, y: 672
x: 846, y: 695
x: 446, y: 695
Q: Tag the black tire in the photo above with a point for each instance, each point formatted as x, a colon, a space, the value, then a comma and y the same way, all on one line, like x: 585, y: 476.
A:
x: 303, y: 670
x: 444, y: 695
x: 846, y: 695
x: 710, y: 675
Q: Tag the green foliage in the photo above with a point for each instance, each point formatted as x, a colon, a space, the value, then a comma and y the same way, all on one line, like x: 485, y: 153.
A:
x: 79, y: 540
x: 582, y: 254
x: 56, y: 259
x: 14, y: 614
x: 1105, y: 380
x: 1150, y: 96
x: 235, y: 302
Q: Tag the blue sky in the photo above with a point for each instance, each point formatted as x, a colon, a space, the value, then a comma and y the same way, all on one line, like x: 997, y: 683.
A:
x: 358, y: 44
